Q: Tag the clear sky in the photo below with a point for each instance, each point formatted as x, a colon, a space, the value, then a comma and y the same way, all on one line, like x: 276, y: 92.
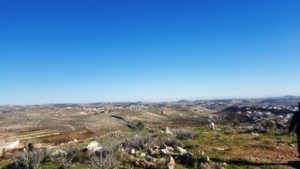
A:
x: 58, y: 51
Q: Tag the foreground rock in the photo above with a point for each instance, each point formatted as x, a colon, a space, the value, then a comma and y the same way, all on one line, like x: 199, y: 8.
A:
x: 181, y: 151
x: 171, y: 163
x: 93, y: 147
x: 167, y: 131
x: 212, y: 126
x: 9, y: 146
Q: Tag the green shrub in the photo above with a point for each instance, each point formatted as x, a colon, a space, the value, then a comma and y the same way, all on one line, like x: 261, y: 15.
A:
x: 140, y: 126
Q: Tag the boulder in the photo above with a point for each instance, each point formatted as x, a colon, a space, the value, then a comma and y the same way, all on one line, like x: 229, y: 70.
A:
x: 212, y: 126
x: 170, y: 149
x: 165, y: 152
x: 153, y: 152
x: 162, y: 161
x: 187, y: 159
x: 9, y: 146
x: 181, y: 151
x: 93, y: 147
x: 171, y: 163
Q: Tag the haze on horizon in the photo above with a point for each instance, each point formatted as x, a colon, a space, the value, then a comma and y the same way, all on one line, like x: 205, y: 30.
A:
x: 63, y: 51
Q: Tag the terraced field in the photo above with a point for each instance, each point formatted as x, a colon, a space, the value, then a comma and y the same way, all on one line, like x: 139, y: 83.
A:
x: 34, y: 134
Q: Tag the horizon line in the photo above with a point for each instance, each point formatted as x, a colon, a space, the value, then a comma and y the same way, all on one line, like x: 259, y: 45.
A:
x: 160, y: 101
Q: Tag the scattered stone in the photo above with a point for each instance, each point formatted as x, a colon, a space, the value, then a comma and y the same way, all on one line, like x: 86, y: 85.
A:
x: 93, y: 147
x: 181, y: 151
x: 189, y: 154
x: 162, y: 161
x: 255, y: 134
x: 149, y: 158
x: 144, y: 164
x: 171, y: 163
x: 155, y: 147
x: 60, y: 153
x: 186, y: 159
x: 163, y: 146
x: 143, y: 155
x: 165, y: 152
x: 170, y: 149
x: 168, y: 131
x: 292, y: 145
x: 153, y: 152
x: 221, y: 149
x: 212, y: 126
x: 10, y: 146
x: 204, y: 159
x: 132, y: 151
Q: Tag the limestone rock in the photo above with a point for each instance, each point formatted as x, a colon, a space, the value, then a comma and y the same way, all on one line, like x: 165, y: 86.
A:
x: 212, y: 126
x: 171, y: 163
x: 181, y: 151
x: 93, y: 147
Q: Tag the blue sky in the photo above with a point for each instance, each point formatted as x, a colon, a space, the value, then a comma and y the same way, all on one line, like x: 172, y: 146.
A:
x: 58, y: 51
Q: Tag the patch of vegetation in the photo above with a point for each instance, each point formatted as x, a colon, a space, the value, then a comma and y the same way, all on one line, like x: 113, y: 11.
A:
x: 140, y: 126
x: 29, y: 160
x: 184, y: 134
x: 105, y: 158
x: 73, y: 155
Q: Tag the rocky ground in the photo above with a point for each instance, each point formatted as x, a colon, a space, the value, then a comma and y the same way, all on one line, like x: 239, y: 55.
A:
x: 191, y: 147
x: 172, y: 136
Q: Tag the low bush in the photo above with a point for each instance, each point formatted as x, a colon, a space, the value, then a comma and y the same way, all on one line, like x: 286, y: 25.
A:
x: 172, y: 142
x: 140, y: 142
x: 184, y: 134
x: 29, y: 159
x: 73, y: 155
x: 140, y: 126
x: 104, y: 159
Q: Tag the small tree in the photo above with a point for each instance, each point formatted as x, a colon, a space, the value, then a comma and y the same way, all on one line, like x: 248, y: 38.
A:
x: 140, y: 126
